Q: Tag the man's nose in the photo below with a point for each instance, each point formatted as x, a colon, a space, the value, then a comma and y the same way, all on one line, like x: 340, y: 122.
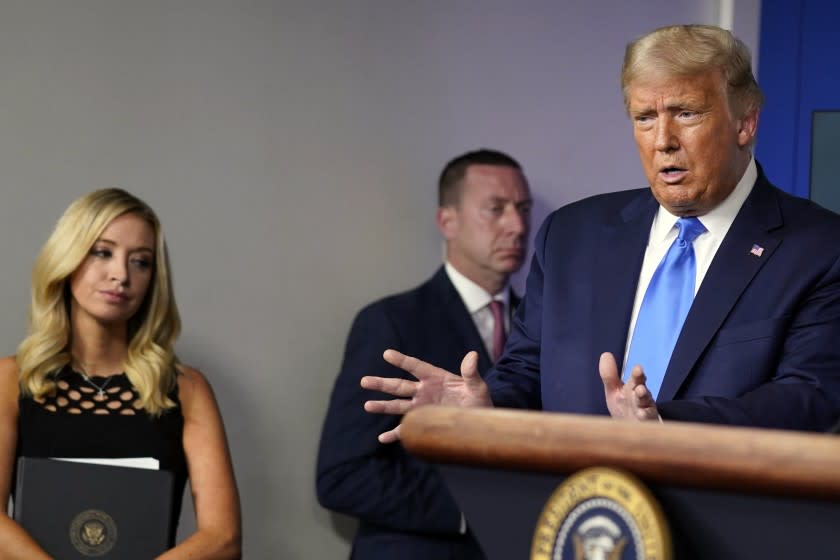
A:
x: 666, y: 140
x: 516, y: 220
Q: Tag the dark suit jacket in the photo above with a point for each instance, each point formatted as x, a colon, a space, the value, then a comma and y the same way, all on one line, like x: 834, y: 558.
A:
x: 760, y: 345
x: 405, y: 511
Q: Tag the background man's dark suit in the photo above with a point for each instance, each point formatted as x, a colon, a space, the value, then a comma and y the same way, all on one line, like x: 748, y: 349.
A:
x: 405, y: 509
x: 760, y: 346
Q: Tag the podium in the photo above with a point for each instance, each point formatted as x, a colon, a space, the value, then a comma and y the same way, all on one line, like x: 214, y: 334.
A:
x: 726, y: 492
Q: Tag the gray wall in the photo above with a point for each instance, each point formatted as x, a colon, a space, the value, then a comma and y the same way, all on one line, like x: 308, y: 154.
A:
x: 291, y: 150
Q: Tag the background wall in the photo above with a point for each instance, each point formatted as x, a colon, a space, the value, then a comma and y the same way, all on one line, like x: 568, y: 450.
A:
x: 291, y: 150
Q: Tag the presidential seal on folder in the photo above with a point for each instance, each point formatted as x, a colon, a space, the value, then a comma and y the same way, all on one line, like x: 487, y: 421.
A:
x: 78, y: 511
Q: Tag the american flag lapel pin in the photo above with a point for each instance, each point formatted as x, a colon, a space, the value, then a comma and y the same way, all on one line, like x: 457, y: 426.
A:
x: 757, y: 250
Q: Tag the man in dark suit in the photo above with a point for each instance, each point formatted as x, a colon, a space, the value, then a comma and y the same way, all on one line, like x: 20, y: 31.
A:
x: 758, y: 345
x: 404, y: 509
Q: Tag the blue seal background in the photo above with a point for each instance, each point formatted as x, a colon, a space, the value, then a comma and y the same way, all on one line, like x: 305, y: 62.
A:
x: 564, y: 547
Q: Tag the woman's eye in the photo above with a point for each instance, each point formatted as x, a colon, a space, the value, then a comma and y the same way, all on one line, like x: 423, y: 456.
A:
x: 141, y: 263
x: 102, y: 253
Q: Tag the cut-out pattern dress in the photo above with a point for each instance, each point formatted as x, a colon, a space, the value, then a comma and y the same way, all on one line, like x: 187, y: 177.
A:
x: 78, y: 420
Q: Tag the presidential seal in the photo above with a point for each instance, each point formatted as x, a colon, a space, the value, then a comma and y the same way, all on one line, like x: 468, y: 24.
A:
x: 601, y: 514
x: 93, y: 532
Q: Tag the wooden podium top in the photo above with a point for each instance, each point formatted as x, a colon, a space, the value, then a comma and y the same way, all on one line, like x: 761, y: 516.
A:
x: 763, y: 461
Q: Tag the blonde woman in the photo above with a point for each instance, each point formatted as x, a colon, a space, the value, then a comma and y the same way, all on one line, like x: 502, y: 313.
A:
x: 97, y: 375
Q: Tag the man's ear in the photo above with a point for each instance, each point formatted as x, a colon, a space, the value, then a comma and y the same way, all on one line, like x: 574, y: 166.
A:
x: 447, y: 221
x: 747, y: 128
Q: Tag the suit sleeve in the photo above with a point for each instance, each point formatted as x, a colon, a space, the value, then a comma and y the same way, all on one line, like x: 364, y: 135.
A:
x: 514, y: 381
x: 802, y: 387
x: 357, y: 475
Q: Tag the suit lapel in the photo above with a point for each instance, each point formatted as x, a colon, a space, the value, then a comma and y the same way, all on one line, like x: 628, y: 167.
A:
x: 618, y: 257
x: 514, y: 302
x: 463, y: 328
x: 730, y: 272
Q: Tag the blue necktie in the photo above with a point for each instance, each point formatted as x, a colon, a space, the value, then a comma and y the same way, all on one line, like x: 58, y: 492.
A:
x: 664, y: 307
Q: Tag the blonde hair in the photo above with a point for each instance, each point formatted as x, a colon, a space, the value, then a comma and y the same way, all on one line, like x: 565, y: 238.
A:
x: 685, y: 50
x: 151, y: 365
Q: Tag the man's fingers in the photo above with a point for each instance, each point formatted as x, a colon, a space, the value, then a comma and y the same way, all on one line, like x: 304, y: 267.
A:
x: 469, y: 367
x: 637, y: 376
x: 393, y: 386
x: 398, y: 359
x: 418, y: 368
x: 394, y: 406
x: 630, y: 400
x: 608, y: 370
x: 643, y: 396
x: 390, y: 436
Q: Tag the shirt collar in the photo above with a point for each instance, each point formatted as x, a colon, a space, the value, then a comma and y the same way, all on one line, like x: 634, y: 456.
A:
x: 718, y: 220
x: 474, y: 296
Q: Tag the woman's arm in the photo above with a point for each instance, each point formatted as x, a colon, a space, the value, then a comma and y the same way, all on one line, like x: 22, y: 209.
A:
x: 14, y: 541
x: 218, y: 532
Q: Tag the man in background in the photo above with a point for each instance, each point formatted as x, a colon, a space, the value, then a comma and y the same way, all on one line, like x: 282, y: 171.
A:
x: 404, y: 509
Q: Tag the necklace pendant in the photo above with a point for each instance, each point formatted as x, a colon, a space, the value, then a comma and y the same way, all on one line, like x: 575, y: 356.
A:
x: 100, y: 389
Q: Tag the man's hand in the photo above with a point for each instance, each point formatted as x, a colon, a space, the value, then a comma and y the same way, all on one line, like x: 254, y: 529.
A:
x: 433, y: 386
x: 628, y: 401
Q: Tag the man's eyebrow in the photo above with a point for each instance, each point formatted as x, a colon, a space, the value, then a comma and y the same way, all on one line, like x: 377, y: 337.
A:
x: 682, y: 104
x: 507, y: 199
x: 642, y: 109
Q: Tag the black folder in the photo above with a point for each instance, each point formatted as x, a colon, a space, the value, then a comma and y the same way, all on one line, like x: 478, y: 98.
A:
x: 82, y: 510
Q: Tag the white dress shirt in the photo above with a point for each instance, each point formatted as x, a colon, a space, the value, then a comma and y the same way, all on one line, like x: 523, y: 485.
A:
x: 663, y: 232
x: 477, y: 301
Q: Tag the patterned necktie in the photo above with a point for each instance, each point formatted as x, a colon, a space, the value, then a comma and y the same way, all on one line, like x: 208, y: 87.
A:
x: 498, y: 328
x: 664, y: 307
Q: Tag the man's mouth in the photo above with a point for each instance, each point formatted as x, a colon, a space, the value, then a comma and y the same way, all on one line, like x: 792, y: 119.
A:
x: 672, y: 174
x: 511, y: 251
